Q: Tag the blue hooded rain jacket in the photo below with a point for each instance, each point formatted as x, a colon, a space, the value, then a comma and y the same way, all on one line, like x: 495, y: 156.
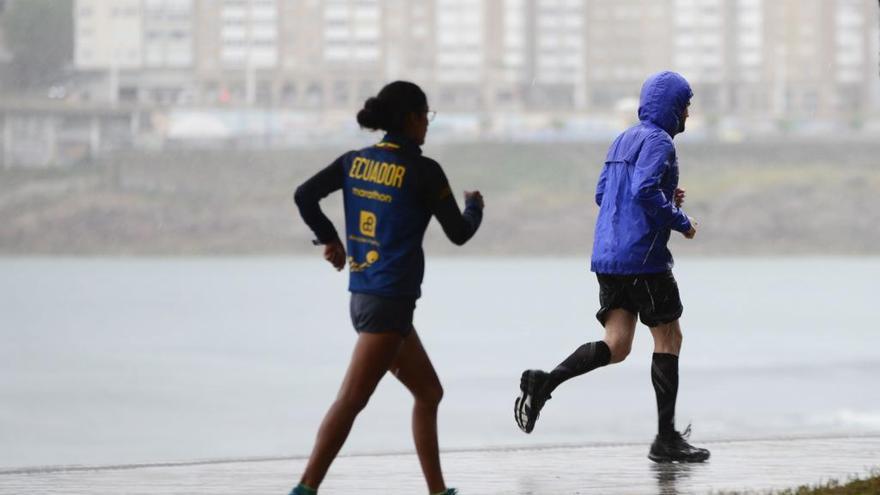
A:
x: 637, y: 185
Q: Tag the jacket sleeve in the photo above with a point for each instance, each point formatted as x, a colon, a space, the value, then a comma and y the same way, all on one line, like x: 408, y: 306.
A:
x: 459, y: 227
x: 600, y: 186
x: 311, y: 192
x: 649, y: 169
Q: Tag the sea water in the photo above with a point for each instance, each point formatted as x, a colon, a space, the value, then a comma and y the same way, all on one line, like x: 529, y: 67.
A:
x: 115, y: 361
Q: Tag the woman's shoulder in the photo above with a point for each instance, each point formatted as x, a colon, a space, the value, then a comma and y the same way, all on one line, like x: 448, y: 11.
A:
x: 428, y: 161
x: 430, y: 169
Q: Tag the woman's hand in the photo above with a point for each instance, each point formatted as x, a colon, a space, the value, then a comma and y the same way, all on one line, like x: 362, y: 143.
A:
x: 473, y: 196
x: 334, y: 252
x: 678, y: 197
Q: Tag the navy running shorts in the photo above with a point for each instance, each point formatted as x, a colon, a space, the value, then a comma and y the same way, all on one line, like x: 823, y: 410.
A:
x: 376, y: 314
x: 653, y: 296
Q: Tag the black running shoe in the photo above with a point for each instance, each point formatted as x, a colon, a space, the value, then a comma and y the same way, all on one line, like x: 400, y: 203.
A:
x: 675, y: 448
x: 528, y: 405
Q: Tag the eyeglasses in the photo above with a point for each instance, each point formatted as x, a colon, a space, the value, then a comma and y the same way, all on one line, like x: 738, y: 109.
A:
x: 431, y: 115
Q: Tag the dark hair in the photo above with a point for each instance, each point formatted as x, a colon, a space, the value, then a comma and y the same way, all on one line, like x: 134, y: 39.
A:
x: 388, y: 109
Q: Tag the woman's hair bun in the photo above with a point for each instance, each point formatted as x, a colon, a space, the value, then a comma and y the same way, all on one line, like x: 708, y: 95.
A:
x: 370, y: 117
x: 389, y: 109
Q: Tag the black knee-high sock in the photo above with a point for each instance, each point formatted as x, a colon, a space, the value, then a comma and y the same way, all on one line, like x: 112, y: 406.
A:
x: 586, y: 358
x: 664, y: 376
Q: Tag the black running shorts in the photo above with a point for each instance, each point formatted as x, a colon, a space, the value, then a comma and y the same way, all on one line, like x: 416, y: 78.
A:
x: 654, y: 297
x: 375, y: 314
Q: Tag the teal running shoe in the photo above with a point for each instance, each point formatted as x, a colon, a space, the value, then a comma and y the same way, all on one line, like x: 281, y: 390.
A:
x: 303, y: 490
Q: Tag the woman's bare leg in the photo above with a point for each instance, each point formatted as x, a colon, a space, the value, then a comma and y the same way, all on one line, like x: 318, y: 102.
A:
x: 414, y: 369
x: 371, y: 358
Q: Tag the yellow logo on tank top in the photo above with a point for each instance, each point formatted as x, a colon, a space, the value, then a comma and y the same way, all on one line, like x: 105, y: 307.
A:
x: 372, y: 257
x: 354, y: 266
x: 368, y: 223
x: 387, y: 174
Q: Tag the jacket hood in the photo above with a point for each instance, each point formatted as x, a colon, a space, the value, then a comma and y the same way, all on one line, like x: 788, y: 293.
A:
x: 664, y: 98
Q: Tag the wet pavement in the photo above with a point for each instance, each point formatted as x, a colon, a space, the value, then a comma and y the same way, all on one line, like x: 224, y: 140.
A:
x: 755, y: 466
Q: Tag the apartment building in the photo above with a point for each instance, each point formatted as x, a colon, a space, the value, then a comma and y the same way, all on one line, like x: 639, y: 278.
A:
x: 168, y: 37
x: 556, y: 53
x: 820, y: 57
x: 5, y: 56
x: 108, y: 35
x: 511, y: 54
x: 311, y: 53
x: 461, y: 52
x: 779, y: 58
x: 701, y: 47
x: 353, y: 51
x: 856, y: 60
x: 136, y: 50
x: 625, y: 41
x: 239, y: 50
x: 745, y: 78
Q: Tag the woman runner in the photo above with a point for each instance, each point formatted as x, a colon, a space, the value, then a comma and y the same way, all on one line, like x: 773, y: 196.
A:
x: 391, y: 191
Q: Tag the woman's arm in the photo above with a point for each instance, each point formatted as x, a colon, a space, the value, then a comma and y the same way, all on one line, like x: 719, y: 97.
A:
x: 459, y: 227
x: 308, y: 195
